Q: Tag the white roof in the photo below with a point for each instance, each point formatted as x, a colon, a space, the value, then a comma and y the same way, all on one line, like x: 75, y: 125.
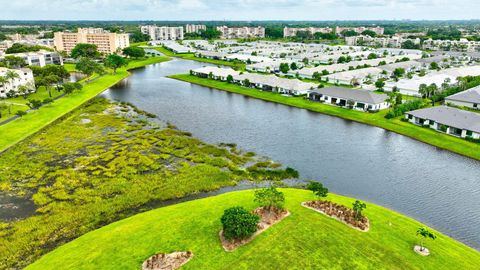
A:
x: 216, y: 71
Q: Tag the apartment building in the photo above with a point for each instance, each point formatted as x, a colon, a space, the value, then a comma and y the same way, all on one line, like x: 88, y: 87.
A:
x: 106, y: 42
x: 378, y: 30
x: 195, y: 28
x: 25, y: 77
x: 291, y: 32
x: 241, y: 32
x: 163, y: 32
x: 462, y: 45
x: 40, y: 58
x: 384, y: 42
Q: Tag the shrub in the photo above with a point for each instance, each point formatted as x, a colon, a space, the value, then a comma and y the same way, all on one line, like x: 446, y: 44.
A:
x: 358, y: 207
x: 238, y: 223
x: 318, y: 189
x: 405, y: 107
x: 269, y: 198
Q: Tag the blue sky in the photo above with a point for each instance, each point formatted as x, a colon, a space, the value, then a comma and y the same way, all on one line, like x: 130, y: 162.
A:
x: 238, y: 9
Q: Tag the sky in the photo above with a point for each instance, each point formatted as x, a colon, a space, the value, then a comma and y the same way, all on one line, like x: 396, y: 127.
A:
x: 231, y: 10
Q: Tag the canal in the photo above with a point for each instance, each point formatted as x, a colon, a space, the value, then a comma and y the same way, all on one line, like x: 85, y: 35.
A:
x: 437, y: 187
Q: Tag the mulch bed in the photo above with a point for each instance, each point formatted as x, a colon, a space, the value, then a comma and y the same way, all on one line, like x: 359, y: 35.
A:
x: 339, y: 212
x: 268, y: 217
x: 169, y: 261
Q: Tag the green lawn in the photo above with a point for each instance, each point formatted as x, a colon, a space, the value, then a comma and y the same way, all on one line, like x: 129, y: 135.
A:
x: 304, y: 240
x: 21, y: 128
x: 191, y: 56
x: 426, y: 135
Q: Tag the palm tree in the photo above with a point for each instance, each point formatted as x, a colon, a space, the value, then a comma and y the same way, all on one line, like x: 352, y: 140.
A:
x: 462, y: 83
x: 3, y: 81
x: 425, y: 233
x: 423, y: 90
x: 11, y: 75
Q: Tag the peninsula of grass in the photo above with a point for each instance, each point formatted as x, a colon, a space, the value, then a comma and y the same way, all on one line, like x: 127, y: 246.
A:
x: 190, y: 56
x: 304, y: 240
x: 34, y: 121
x: 426, y: 135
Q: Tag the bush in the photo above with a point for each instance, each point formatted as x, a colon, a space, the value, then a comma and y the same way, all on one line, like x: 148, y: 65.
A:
x: 405, y: 107
x: 269, y: 198
x: 318, y: 189
x: 238, y: 223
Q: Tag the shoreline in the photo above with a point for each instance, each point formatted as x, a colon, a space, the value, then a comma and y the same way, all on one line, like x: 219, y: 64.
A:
x: 425, y: 135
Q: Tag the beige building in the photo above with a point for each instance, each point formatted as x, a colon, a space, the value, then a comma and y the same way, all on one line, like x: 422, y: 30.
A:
x: 106, y: 42
x: 291, y: 32
x: 241, y: 32
x: 195, y: 28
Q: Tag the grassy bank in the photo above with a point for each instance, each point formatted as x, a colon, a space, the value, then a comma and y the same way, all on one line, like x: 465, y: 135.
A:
x: 104, y: 162
x: 425, y: 135
x: 34, y: 121
x: 304, y: 240
x: 191, y: 56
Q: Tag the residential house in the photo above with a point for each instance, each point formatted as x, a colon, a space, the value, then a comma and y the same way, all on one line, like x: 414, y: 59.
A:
x: 347, y: 97
x: 469, y: 98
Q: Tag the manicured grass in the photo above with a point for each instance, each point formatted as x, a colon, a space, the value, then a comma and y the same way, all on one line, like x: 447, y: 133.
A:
x: 191, y: 56
x: 426, y: 135
x: 304, y: 240
x: 21, y: 128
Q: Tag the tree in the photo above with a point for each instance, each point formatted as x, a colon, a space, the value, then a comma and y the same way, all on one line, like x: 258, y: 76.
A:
x: 86, y: 66
x: 69, y: 87
x: 293, y: 66
x: 34, y: 103
x: 433, y: 65
x: 138, y: 36
x: 349, y: 33
x: 398, y: 99
x: 372, y: 56
x: 238, y: 223
x: 20, y: 113
x: 399, y: 72
x: 11, y: 61
x: 246, y: 82
x: 316, y: 75
x: 229, y: 78
x: 11, y: 75
x: 48, y: 81
x: 408, y: 44
x: 20, y: 48
x: 84, y: 50
x: 318, y: 189
x: 133, y: 51
x: 284, y: 67
x: 115, y: 61
x: 269, y: 198
x: 23, y: 90
x: 424, y: 233
x: 210, y: 33
x: 369, y: 33
x: 380, y: 84
x: 423, y: 90
x: 358, y: 207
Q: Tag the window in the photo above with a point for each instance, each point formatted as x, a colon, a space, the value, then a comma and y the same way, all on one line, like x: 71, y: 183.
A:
x: 469, y: 133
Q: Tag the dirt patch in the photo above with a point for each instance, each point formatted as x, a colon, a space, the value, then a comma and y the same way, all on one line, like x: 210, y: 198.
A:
x: 169, y: 261
x: 268, y: 218
x: 422, y: 251
x: 340, y: 213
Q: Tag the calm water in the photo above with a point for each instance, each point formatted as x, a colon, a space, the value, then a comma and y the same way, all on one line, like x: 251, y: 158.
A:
x: 437, y: 187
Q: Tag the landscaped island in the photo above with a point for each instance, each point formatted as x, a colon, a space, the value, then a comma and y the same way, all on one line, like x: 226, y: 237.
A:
x: 303, y: 240
x: 106, y: 161
x: 378, y: 119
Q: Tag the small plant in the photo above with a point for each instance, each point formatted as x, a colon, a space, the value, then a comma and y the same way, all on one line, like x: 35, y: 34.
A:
x: 424, y: 233
x: 358, y: 207
x: 318, y: 189
x: 269, y: 198
x: 238, y: 223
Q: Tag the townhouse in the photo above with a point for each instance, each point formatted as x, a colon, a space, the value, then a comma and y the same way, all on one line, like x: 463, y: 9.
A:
x: 451, y: 121
x: 469, y: 98
x: 362, y: 100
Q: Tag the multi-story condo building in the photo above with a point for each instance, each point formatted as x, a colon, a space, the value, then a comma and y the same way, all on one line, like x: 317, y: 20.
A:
x: 40, y: 58
x: 163, y: 32
x: 378, y: 30
x: 241, y: 32
x: 384, y: 42
x: 462, y: 45
x: 106, y: 42
x: 25, y: 77
x: 291, y: 32
x: 195, y: 28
